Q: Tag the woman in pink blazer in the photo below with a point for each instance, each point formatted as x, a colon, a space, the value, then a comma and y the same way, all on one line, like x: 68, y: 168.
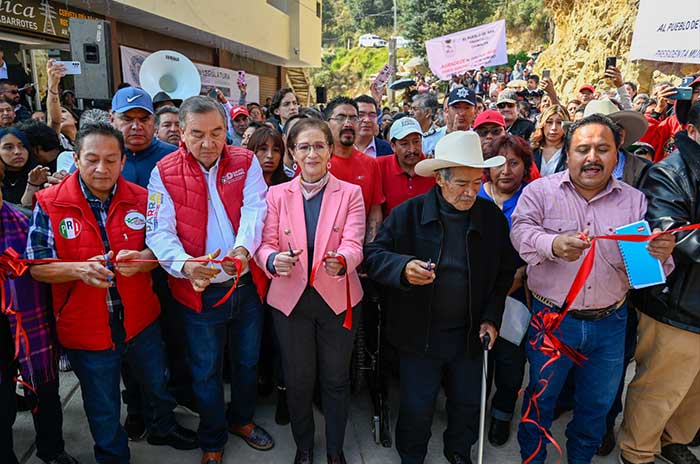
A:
x: 314, y: 221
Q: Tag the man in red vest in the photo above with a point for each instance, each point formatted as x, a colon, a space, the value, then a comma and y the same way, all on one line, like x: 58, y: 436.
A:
x: 206, y: 201
x: 106, y: 311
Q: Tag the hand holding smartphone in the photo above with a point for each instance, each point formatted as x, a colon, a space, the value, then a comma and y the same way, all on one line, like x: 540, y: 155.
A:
x: 383, y: 76
x: 72, y: 67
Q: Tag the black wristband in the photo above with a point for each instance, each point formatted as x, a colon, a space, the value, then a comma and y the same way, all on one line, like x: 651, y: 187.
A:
x: 34, y: 185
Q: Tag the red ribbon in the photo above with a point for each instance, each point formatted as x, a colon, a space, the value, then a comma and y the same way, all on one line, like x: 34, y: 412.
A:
x: 348, y: 304
x: 239, y: 267
x: 12, y: 266
x: 546, y: 322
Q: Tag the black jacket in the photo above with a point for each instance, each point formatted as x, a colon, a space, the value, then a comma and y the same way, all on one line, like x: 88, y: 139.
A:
x: 383, y: 147
x: 672, y: 187
x: 413, y: 231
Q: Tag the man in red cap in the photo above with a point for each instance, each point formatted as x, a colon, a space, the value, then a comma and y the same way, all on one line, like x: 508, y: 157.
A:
x: 490, y: 125
x: 661, y: 131
x: 586, y: 93
x: 240, y: 120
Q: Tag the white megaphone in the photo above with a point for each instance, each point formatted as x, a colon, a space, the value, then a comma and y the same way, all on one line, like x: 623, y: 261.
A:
x: 170, y: 72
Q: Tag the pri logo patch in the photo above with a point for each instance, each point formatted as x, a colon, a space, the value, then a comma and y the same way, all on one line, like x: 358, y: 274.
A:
x: 135, y: 220
x: 70, y: 228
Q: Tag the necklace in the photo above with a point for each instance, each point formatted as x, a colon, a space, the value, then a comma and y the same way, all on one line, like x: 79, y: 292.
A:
x: 495, y: 199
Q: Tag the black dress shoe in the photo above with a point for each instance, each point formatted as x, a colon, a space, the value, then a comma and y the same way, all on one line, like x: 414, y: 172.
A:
x: 180, y: 439
x: 455, y: 458
x: 678, y: 454
x: 304, y: 457
x: 135, y: 427
x: 282, y: 410
x: 608, y: 444
x: 338, y: 459
x: 499, y: 432
x: 63, y: 458
x: 625, y: 461
x: 696, y: 441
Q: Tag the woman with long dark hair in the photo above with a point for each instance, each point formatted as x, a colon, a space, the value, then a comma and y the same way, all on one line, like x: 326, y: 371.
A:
x: 23, y: 177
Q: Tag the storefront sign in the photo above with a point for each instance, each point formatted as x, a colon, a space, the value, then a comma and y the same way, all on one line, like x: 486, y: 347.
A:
x: 212, y: 76
x: 39, y: 16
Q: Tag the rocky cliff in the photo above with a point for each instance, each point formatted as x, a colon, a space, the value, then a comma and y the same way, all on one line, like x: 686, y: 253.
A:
x: 588, y: 31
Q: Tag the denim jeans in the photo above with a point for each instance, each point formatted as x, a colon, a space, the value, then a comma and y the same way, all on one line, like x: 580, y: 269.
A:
x: 99, y: 372
x: 241, y: 319
x: 596, y: 384
x: 566, y: 397
x: 421, y: 376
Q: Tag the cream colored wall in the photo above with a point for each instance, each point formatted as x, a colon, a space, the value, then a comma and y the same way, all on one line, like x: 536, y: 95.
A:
x: 254, y: 23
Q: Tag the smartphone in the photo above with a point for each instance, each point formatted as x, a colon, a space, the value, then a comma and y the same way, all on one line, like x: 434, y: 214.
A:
x: 611, y: 62
x: 383, y: 76
x: 72, y: 67
x: 546, y: 73
x: 682, y: 93
x: 241, y: 78
x: 212, y: 93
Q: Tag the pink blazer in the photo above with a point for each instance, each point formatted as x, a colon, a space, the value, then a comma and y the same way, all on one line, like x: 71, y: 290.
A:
x: 341, y: 228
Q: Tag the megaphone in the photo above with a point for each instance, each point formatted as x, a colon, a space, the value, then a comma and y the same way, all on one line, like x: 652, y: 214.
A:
x: 170, y: 72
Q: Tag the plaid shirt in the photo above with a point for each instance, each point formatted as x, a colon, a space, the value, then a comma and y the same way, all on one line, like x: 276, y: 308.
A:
x: 41, y: 245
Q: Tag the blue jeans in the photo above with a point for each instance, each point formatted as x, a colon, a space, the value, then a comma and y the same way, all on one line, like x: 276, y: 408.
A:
x: 99, y: 372
x: 596, y: 384
x: 240, y: 319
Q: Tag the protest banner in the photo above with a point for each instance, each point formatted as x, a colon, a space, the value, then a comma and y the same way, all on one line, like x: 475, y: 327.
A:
x: 667, y: 32
x: 212, y: 76
x: 459, y: 52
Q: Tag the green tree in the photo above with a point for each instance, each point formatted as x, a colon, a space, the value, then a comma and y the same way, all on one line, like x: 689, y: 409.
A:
x: 426, y: 19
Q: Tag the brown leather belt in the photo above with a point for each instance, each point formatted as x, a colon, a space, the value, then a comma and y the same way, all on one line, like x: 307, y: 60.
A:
x: 583, y: 314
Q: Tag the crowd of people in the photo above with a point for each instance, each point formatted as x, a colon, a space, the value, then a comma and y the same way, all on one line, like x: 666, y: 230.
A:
x: 163, y: 239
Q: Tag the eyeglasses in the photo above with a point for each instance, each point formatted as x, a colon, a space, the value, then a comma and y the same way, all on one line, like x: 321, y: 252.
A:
x: 305, y: 148
x: 343, y: 118
x: 364, y: 115
x: 505, y: 105
x: 496, y: 131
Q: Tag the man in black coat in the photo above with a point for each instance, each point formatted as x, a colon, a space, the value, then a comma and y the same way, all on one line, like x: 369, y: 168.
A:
x: 662, y: 409
x: 448, y: 263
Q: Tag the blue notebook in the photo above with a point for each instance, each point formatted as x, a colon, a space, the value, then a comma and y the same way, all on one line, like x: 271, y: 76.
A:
x: 643, y: 270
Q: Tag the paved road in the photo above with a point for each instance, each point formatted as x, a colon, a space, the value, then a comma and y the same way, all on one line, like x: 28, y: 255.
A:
x: 359, y: 445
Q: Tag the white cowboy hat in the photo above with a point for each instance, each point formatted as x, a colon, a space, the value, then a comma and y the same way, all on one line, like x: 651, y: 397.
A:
x: 634, y: 123
x: 457, y: 149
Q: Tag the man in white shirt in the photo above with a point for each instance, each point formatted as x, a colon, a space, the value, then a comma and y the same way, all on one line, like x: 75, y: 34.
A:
x: 188, y: 224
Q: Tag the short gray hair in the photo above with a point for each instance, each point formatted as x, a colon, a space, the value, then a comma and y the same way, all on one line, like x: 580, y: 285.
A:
x: 94, y: 116
x: 200, y: 104
x: 167, y: 109
x: 445, y: 174
x: 426, y: 100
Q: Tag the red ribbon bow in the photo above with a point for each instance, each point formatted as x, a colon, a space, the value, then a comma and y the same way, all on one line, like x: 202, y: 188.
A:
x: 348, y: 304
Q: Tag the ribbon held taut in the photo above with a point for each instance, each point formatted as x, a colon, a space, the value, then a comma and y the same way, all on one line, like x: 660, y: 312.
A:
x: 546, y: 322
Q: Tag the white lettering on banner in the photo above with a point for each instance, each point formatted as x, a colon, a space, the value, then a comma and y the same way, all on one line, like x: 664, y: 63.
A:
x: 212, y: 76
x: 667, y: 33
x: 457, y: 53
x: 233, y: 176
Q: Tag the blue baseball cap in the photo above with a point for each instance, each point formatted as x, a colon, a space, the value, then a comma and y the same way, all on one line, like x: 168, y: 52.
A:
x: 461, y: 94
x: 131, y: 97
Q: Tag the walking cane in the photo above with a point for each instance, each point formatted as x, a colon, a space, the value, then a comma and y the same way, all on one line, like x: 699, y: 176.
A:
x: 482, y: 412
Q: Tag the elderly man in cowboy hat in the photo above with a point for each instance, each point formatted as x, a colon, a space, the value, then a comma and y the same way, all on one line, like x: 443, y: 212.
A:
x: 448, y: 263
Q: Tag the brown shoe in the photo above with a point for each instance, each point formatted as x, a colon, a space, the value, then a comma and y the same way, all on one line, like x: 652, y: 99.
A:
x: 608, y: 444
x: 255, y: 436
x: 212, y: 457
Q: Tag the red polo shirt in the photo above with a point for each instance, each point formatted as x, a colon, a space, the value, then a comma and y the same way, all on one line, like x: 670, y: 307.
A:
x: 397, y: 185
x: 362, y: 170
